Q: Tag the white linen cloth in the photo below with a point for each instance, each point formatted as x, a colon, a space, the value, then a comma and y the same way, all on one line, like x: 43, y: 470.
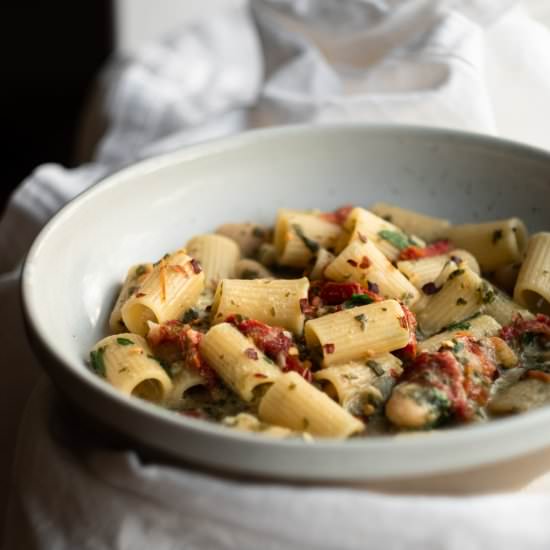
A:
x: 480, y: 65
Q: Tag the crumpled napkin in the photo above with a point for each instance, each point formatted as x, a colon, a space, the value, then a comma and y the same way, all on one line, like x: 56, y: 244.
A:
x: 479, y: 65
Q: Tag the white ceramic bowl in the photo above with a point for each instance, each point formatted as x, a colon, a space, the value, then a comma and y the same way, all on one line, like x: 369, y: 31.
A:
x: 73, y: 269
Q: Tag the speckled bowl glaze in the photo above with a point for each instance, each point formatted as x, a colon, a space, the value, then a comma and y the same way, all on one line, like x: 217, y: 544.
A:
x: 73, y: 270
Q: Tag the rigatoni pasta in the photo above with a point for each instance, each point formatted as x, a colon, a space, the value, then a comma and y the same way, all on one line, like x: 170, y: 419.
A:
x: 274, y: 301
x: 218, y: 256
x: 358, y: 332
x: 303, y: 330
x: 173, y: 286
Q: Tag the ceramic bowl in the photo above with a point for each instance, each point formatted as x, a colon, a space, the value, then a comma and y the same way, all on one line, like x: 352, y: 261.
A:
x: 75, y: 266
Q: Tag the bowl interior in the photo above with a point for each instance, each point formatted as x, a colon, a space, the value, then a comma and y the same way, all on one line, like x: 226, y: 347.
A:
x: 75, y: 267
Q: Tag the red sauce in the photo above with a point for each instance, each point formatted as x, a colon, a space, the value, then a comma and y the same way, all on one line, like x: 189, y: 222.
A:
x: 273, y: 341
x: 466, y: 386
x: 187, y: 341
x: 339, y: 215
x: 442, y: 371
x: 417, y: 252
x: 513, y: 332
x: 334, y: 294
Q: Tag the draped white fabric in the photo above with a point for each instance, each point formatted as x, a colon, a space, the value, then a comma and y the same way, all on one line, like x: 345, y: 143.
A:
x: 478, y: 65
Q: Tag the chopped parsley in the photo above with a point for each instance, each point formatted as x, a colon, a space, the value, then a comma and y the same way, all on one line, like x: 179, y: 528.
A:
x: 124, y: 341
x: 362, y: 320
x: 358, y: 300
x: 462, y: 325
x: 96, y: 361
x: 310, y: 244
x: 399, y: 240
x: 486, y: 293
x: 459, y: 346
x: 376, y: 367
x: 456, y: 273
x: 461, y: 302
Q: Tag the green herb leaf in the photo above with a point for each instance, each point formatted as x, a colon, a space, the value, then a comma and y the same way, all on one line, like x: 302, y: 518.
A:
x: 462, y: 325
x: 456, y: 273
x: 124, y: 342
x: 310, y: 244
x: 376, y: 367
x: 459, y: 346
x: 358, y: 300
x: 399, y: 240
x: 96, y: 361
x: 461, y: 301
x: 362, y: 320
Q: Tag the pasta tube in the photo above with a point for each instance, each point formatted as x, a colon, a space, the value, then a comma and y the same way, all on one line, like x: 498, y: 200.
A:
x: 356, y: 385
x: 135, y: 277
x: 533, y: 285
x: 494, y: 244
x: 460, y: 297
x: 171, y: 288
x: 364, y: 225
x: 127, y: 363
x: 359, y: 332
x: 426, y: 270
x: 478, y: 327
x: 299, y: 236
x: 218, y: 256
x: 273, y: 301
x: 296, y: 404
x: 503, y: 308
x: 362, y: 262
x: 411, y: 222
x: 239, y: 363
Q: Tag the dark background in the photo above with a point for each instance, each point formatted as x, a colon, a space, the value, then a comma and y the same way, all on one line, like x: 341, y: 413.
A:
x: 51, y: 53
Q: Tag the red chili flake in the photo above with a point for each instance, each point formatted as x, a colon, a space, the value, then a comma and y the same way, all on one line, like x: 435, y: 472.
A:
x: 435, y: 249
x: 140, y: 295
x: 403, y: 322
x: 430, y: 288
x: 304, y: 303
x: 352, y: 262
x: 195, y: 265
x: 365, y: 262
x: 260, y: 375
x: 251, y: 353
x: 361, y: 237
x: 329, y: 348
x: 339, y: 216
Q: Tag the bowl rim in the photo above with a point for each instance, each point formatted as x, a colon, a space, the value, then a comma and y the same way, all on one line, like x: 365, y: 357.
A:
x: 432, y: 442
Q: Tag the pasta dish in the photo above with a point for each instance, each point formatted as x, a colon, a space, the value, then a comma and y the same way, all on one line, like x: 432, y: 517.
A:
x: 351, y: 323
